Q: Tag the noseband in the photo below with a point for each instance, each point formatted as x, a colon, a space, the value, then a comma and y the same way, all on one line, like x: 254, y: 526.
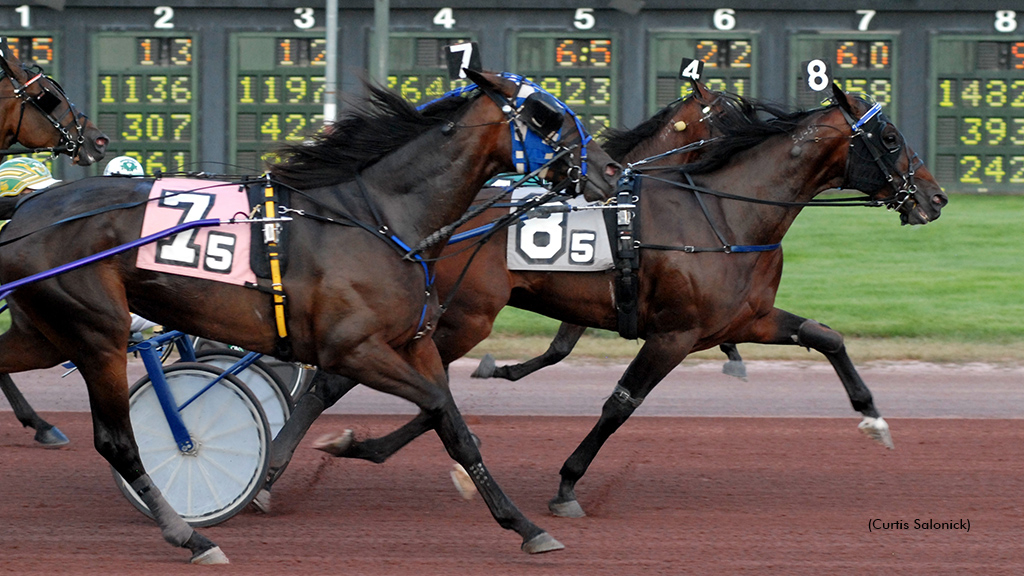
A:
x: 45, y: 103
x: 867, y: 151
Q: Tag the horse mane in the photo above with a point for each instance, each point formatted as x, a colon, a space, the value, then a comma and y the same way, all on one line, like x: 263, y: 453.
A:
x: 736, y: 111
x: 371, y: 127
x: 619, y: 142
x: 739, y: 132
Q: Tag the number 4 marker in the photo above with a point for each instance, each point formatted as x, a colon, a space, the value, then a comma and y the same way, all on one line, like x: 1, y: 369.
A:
x: 691, y: 69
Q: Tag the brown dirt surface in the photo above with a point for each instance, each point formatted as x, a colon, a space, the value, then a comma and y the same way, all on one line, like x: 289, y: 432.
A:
x: 667, y: 495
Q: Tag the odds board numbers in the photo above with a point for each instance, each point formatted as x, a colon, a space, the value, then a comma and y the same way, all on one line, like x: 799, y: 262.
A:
x: 578, y: 70
x: 419, y: 68
x: 860, y: 64
x: 144, y: 97
x: 977, y: 111
x: 728, y: 64
x: 278, y: 94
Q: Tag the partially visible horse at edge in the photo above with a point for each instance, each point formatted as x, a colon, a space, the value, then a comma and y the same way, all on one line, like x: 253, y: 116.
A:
x: 384, y: 178
x: 36, y: 113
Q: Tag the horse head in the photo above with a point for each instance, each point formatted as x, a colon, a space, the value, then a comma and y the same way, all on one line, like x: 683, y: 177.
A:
x: 547, y: 133
x: 881, y: 164
x: 37, y: 113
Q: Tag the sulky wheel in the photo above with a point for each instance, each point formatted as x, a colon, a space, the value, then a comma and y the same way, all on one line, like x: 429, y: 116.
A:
x: 265, y: 384
x: 231, y: 440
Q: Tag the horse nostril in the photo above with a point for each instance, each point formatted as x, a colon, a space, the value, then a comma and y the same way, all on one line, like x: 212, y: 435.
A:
x: 940, y: 200
x: 612, y: 170
x: 101, y: 143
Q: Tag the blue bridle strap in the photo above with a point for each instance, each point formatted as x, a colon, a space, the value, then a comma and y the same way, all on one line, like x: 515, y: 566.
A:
x: 530, y: 149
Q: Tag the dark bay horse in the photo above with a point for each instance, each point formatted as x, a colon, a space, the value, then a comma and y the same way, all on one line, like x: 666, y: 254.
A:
x: 35, y: 112
x: 385, y: 177
x: 694, y: 292
x: 673, y: 136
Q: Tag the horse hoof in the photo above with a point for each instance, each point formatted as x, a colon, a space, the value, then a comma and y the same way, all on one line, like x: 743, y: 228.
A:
x: 463, y: 483
x: 335, y: 444
x: 541, y: 543
x: 262, y: 501
x: 878, y: 430
x: 486, y: 367
x: 51, y: 437
x: 568, y: 509
x: 210, y: 557
x: 735, y: 368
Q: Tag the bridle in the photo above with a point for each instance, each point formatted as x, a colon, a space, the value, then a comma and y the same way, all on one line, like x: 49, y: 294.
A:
x: 46, y: 102
x: 867, y: 150
x: 535, y: 143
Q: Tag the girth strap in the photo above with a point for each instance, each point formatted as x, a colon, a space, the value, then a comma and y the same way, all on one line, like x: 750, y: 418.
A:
x: 271, y: 236
x: 623, y: 228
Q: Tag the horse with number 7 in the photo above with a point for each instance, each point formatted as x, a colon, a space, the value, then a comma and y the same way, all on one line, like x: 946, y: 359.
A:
x: 358, y: 286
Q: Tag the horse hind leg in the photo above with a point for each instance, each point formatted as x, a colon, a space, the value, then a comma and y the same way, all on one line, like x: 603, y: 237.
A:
x: 48, y: 435
x: 23, y: 348
x: 734, y: 366
x: 406, y: 376
x: 324, y: 391
x: 657, y: 357
x: 565, y: 340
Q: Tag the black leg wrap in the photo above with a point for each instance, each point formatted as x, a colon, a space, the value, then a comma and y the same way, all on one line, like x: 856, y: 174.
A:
x: 814, y: 335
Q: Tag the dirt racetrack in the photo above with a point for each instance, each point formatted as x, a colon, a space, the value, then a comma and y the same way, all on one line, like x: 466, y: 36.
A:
x: 668, y: 495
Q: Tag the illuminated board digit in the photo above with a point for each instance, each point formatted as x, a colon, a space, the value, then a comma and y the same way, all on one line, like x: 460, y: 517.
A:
x: 977, y: 113
x: 277, y: 97
x: 143, y: 93
x: 579, y: 69
x: 729, y: 64
x: 418, y: 69
x: 861, y: 64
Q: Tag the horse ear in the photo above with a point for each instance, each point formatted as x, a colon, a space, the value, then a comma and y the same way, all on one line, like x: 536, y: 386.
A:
x: 5, y: 53
x: 841, y: 98
x: 700, y: 90
x: 477, y: 77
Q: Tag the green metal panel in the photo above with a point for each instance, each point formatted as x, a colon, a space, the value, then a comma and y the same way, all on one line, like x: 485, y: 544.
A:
x: 579, y: 68
x: 976, y: 113
x: 276, y: 96
x: 144, y: 93
x: 862, y: 63
x: 730, y: 63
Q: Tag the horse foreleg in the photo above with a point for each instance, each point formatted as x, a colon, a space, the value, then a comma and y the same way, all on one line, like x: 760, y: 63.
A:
x: 658, y: 356
x: 781, y: 327
x: 565, y: 340
x: 46, y: 434
x: 417, y: 375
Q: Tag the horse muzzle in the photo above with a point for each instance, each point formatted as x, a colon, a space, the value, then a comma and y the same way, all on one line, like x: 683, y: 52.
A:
x: 597, y: 188
x: 92, y: 148
x: 923, y: 207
